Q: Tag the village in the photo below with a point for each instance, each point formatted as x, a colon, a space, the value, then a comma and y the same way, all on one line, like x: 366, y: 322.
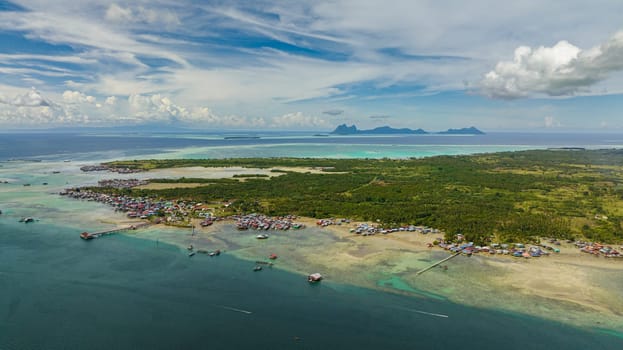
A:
x: 181, y: 213
x: 104, y: 167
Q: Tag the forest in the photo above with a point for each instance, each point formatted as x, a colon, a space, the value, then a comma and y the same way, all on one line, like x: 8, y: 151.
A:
x: 509, y: 196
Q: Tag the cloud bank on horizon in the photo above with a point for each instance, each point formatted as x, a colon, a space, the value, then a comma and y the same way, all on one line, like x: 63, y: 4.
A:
x: 310, y: 65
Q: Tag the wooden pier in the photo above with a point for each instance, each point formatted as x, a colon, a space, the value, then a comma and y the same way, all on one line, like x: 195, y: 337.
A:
x: 91, y: 235
x: 437, y: 263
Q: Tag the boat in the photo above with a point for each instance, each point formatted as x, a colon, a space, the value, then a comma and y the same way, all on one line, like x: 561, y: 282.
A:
x: 86, y: 236
x: 27, y: 220
x: 190, y: 247
x: 215, y: 253
x: 26, y: 184
x: 272, y: 256
x: 314, y: 277
x: 261, y: 236
x: 191, y: 254
x: 257, y: 268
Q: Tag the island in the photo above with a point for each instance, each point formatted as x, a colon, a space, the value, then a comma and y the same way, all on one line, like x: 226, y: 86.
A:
x: 522, y: 229
x: 344, y: 129
x: 463, y: 131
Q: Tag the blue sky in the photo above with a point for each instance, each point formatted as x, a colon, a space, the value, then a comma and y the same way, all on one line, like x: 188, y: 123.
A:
x: 310, y: 65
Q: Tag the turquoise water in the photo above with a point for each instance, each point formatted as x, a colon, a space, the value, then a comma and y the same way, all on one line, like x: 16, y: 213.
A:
x: 59, y: 292
x: 121, y: 292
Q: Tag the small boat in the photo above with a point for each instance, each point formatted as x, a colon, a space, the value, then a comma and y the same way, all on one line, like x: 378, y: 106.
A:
x: 26, y: 184
x: 45, y: 184
x: 86, y: 236
x: 257, y: 268
x: 215, y: 253
x: 261, y: 236
x: 190, y: 247
x: 314, y: 277
x: 272, y: 256
x: 191, y: 254
x: 27, y: 220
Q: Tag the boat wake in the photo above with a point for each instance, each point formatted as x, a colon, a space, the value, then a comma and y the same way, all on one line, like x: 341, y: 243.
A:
x: 234, y: 309
x: 422, y: 312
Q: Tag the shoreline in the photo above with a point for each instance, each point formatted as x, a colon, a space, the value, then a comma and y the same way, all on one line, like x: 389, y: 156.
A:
x: 562, y: 289
x: 572, y: 287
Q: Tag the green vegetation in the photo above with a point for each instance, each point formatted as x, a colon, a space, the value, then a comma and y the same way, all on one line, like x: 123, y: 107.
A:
x: 514, y: 196
x: 193, y: 180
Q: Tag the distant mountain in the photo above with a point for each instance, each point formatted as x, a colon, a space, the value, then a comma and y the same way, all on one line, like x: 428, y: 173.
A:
x: 382, y: 130
x: 464, y: 131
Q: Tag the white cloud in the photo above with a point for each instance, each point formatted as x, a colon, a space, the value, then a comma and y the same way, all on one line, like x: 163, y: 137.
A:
x: 138, y: 14
x: 53, y: 26
x: 111, y: 100
x: 32, y: 98
x: 78, y: 108
x: 77, y: 97
x: 562, y: 69
x: 116, y: 13
x: 298, y: 120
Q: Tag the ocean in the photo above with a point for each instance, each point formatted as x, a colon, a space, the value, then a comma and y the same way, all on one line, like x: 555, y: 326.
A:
x: 127, y: 292
x: 89, y: 146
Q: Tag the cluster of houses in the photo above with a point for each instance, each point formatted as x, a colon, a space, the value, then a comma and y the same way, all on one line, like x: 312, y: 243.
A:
x: 518, y: 250
x: 262, y: 222
x: 178, y: 212
x: 331, y: 221
x: 365, y: 229
x: 598, y: 249
x: 104, y: 167
x: 168, y: 211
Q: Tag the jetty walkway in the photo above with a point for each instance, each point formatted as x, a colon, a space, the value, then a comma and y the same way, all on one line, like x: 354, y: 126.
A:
x: 91, y: 235
x: 437, y: 263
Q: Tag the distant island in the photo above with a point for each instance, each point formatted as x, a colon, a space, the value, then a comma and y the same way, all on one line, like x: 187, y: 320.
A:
x: 344, y: 129
x: 382, y: 130
x: 463, y: 131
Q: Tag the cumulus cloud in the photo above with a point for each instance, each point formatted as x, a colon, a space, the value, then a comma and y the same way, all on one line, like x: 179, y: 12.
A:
x: 32, y: 98
x: 560, y: 70
x: 77, y: 97
x: 78, y: 108
x: 298, y: 120
x: 334, y: 112
x: 110, y: 101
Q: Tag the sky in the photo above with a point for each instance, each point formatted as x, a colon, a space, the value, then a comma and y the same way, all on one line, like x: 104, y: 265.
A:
x: 311, y: 65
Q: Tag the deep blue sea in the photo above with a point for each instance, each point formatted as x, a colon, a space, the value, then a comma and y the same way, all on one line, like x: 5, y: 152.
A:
x: 122, y: 292
x: 84, y: 146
